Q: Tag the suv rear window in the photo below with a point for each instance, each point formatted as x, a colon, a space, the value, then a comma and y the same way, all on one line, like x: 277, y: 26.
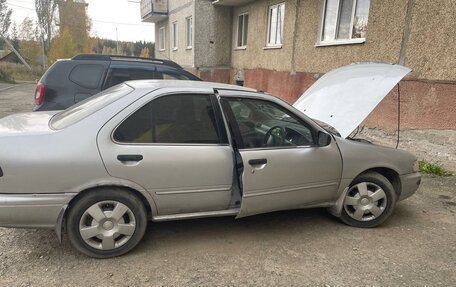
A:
x: 87, y: 76
x: 89, y: 106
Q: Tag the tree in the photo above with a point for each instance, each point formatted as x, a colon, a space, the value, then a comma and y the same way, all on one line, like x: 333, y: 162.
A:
x: 5, y: 18
x: 73, y: 16
x: 5, y: 21
x: 62, y: 46
x: 144, y: 52
x: 45, y: 11
x: 27, y: 30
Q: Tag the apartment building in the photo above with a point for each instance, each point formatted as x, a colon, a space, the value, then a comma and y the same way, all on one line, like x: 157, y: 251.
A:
x: 283, y: 46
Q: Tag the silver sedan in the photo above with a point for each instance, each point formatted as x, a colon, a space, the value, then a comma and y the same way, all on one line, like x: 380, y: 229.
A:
x: 170, y: 150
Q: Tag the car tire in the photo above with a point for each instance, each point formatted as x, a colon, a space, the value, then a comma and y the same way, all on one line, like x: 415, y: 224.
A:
x: 370, y: 200
x: 106, y: 222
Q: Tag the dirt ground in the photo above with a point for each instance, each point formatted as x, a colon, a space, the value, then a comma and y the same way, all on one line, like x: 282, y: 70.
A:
x: 415, y: 247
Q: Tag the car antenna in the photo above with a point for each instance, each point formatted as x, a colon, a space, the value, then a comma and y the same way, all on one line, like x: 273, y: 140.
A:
x: 398, y: 114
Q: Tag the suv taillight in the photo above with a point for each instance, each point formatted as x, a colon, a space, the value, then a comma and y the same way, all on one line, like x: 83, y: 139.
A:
x: 39, y: 93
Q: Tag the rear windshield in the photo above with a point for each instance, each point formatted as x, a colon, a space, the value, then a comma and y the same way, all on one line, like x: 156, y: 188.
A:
x: 89, y: 106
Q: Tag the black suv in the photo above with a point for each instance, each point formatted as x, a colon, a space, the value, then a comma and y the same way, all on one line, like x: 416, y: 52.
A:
x: 69, y: 81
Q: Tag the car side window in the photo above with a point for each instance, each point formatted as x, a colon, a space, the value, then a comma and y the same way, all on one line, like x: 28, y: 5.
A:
x: 87, y: 76
x: 120, y: 75
x: 164, y: 75
x: 179, y: 119
x: 263, y: 124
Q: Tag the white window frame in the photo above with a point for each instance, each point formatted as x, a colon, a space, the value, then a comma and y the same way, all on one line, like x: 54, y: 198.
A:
x: 243, y: 31
x: 161, y: 39
x: 189, y: 32
x: 335, y: 41
x: 268, y: 36
x: 174, y: 36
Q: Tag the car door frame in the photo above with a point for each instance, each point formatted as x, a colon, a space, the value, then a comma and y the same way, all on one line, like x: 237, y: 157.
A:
x: 248, y: 207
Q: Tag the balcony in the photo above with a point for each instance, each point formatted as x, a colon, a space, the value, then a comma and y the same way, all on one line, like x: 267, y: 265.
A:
x: 231, y: 2
x: 154, y: 10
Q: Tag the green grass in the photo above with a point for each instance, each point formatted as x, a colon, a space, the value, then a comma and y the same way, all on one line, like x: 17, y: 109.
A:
x: 431, y: 168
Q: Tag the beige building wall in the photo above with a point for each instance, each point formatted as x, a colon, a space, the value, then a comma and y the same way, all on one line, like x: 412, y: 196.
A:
x: 178, y: 12
x: 431, y: 48
x: 212, y: 34
x: 383, y: 39
x: 256, y: 55
x: 432, y: 37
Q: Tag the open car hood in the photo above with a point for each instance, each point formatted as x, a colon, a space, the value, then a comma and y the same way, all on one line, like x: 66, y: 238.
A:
x: 344, y: 97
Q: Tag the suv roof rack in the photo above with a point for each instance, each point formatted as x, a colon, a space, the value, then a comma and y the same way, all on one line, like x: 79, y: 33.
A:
x: 97, y: 57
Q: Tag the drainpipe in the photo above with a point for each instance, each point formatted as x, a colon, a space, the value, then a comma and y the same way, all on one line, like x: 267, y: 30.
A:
x: 406, y: 35
x: 293, y: 48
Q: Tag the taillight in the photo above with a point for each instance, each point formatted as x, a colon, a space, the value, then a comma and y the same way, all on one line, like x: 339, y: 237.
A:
x: 39, y: 93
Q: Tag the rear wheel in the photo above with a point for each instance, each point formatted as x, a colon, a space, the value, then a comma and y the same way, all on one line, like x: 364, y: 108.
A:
x: 369, y: 201
x: 106, y: 222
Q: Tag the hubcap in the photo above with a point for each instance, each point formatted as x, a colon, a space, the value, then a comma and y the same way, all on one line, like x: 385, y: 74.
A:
x: 107, y: 225
x: 365, y: 201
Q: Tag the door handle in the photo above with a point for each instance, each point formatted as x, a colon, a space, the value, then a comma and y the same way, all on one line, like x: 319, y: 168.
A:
x: 258, y: 161
x: 129, y: 157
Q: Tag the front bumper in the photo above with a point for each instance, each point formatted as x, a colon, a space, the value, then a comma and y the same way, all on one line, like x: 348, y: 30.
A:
x: 32, y: 210
x: 410, y: 183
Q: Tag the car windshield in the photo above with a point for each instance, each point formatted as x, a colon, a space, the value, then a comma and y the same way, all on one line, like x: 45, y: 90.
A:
x: 89, y: 106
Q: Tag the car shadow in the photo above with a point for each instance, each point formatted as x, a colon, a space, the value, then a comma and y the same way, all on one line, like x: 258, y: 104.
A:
x: 305, y: 224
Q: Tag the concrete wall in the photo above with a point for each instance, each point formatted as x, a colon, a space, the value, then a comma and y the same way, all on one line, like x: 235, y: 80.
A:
x: 256, y: 55
x: 212, y: 34
x: 432, y: 36
x: 177, y: 12
x: 431, y: 48
x: 417, y: 33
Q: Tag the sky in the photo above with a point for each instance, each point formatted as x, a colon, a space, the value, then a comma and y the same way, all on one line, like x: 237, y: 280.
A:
x: 106, y: 16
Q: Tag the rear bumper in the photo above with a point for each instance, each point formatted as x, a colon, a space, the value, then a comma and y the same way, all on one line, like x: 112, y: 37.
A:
x: 32, y: 210
x: 410, y: 183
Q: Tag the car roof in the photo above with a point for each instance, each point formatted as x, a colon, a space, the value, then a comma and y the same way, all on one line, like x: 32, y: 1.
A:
x: 121, y: 58
x: 160, y: 84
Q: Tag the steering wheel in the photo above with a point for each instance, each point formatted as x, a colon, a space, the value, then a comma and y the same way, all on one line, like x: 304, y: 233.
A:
x: 275, y: 136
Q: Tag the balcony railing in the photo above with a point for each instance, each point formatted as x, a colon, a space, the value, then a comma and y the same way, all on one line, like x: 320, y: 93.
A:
x: 154, y: 10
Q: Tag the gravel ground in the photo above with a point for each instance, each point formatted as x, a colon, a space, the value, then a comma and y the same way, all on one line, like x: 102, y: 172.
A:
x: 415, y: 247
x: 435, y: 146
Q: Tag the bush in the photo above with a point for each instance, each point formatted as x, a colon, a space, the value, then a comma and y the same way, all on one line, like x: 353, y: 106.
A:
x: 431, y: 168
x: 5, y: 76
x: 10, y: 73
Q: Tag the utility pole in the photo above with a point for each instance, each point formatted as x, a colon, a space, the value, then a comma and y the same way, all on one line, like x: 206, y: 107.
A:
x: 16, y: 52
x: 117, y: 42
x: 43, y: 55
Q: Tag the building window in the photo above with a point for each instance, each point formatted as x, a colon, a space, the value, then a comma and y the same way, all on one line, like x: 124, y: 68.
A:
x: 243, y: 26
x: 275, y: 24
x: 161, y: 39
x: 344, y: 21
x: 188, y: 32
x: 174, y: 36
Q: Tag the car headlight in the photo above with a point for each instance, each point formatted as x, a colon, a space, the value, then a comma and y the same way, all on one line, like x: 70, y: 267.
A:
x: 416, y: 166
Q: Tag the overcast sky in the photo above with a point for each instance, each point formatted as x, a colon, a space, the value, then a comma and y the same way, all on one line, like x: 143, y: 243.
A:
x: 106, y: 15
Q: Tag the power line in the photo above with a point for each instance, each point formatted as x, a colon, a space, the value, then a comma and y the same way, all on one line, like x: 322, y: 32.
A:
x: 23, y: 7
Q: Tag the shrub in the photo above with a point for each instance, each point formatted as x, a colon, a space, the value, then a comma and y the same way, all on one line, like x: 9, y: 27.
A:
x: 5, y: 76
x: 10, y: 73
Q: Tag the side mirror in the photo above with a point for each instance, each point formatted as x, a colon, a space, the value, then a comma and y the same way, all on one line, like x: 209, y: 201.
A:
x: 324, y: 139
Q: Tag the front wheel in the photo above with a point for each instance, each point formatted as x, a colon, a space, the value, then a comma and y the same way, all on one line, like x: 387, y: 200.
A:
x: 369, y: 201
x: 106, y: 222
